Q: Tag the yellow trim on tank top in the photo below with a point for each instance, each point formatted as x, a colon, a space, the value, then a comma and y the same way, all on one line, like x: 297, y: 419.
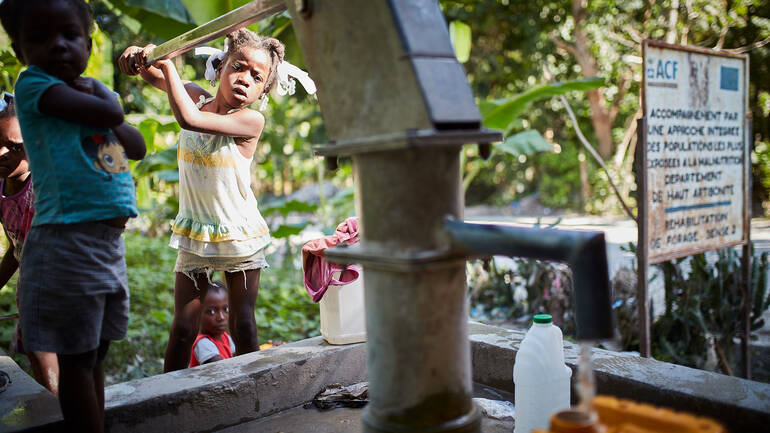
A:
x: 208, y: 160
x: 196, y: 236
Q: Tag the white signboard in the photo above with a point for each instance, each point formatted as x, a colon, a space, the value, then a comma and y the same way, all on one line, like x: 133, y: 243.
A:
x: 696, y: 154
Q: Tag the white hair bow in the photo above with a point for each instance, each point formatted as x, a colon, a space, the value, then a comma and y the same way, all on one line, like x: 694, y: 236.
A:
x: 214, y: 54
x: 286, y: 72
x: 286, y: 84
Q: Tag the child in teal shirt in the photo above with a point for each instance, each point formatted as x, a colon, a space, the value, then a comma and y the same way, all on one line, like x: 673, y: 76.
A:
x: 74, y: 294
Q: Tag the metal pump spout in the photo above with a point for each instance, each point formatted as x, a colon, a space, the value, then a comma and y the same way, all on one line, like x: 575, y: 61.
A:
x: 583, y: 251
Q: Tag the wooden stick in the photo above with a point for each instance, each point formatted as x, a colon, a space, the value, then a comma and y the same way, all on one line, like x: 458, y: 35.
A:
x: 235, y: 19
x: 9, y: 317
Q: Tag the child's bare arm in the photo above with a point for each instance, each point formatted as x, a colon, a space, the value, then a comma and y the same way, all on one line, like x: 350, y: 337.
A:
x: 132, y: 141
x: 133, y: 62
x: 242, y: 123
x: 86, y: 101
x: 212, y: 359
x: 8, y: 265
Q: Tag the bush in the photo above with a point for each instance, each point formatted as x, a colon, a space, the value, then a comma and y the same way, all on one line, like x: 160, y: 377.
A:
x: 150, y: 263
x: 284, y: 311
x: 516, y: 291
x: 700, y: 326
x: 704, y: 316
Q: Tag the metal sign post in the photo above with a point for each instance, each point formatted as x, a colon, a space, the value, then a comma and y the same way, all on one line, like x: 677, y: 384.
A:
x: 746, y: 259
x: 642, y: 247
x: 694, y: 192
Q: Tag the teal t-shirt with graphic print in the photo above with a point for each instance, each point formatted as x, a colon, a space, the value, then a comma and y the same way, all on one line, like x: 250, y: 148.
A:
x: 81, y: 173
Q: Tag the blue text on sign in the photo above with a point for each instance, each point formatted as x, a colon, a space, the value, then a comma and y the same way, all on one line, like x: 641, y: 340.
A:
x: 665, y: 69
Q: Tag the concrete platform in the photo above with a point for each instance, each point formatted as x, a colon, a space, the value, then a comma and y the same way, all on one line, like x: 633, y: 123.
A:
x: 344, y: 420
x: 264, y: 391
x: 25, y: 405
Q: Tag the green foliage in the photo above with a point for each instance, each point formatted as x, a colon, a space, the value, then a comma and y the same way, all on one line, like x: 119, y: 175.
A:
x: 760, y: 157
x: 163, y: 18
x: 502, y: 291
x: 760, y: 290
x: 150, y: 263
x: 558, y: 173
x: 500, y: 114
x: 11, y: 67
x: 8, y: 307
x: 525, y: 143
x: 100, y: 62
x: 206, y: 10
x: 460, y: 35
x: 286, y: 207
x: 506, y: 114
x: 513, y: 42
x: 285, y: 312
x: 703, y: 314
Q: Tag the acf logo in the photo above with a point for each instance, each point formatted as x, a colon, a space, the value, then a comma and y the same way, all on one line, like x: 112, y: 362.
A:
x: 662, y: 69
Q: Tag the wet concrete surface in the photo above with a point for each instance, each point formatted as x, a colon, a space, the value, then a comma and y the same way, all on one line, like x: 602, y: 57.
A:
x: 24, y: 404
x: 346, y: 420
x: 342, y: 420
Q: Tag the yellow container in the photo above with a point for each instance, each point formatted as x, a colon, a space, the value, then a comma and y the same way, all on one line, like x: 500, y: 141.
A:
x: 613, y: 415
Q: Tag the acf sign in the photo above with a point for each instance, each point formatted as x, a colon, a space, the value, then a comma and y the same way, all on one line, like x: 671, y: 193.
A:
x: 695, y: 157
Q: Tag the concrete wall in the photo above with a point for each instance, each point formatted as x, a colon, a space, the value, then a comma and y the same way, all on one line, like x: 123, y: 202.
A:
x: 232, y: 391
x: 25, y: 405
x: 741, y: 405
x: 226, y: 393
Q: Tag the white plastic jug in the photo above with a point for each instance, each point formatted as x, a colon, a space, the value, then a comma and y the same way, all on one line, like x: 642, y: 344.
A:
x: 343, y: 320
x: 541, y: 378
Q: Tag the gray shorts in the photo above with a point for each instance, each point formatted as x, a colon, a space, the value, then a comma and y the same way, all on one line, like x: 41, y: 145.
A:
x: 74, y: 290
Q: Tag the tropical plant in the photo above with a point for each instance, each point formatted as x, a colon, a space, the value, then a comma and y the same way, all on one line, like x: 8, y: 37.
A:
x: 504, y: 114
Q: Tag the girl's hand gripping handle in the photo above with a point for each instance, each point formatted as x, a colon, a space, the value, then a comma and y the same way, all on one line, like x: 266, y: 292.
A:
x: 134, y: 59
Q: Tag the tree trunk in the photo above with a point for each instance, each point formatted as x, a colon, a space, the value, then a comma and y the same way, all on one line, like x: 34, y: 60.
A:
x: 600, y: 113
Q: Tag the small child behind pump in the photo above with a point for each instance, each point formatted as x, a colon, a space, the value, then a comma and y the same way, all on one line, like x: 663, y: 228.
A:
x: 213, y: 342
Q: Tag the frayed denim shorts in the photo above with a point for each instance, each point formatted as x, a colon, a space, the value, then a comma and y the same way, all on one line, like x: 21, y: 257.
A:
x: 74, y: 289
x: 192, y: 265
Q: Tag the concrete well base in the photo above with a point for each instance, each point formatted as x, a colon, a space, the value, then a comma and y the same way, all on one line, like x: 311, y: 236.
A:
x: 242, y: 391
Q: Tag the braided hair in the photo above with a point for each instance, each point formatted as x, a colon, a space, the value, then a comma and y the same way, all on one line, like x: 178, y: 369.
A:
x: 242, y: 39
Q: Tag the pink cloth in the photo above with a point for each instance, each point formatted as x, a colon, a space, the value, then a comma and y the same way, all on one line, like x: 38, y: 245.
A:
x: 16, y: 214
x: 319, y: 273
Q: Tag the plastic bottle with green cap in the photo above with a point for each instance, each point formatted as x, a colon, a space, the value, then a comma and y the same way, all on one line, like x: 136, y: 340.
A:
x: 540, y: 377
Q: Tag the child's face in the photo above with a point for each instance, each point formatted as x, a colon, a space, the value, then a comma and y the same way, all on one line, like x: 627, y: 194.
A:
x: 54, y: 38
x: 111, y: 158
x: 242, y: 76
x: 215, y: 312
x: 13, y: 160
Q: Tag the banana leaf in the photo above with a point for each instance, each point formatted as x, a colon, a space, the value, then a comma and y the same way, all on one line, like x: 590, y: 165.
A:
x: 499, y: 114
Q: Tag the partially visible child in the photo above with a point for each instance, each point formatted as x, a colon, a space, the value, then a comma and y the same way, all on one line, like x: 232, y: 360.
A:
x: 213, y: 342
x: 16, y: 211
x: 74, y: 290
x: 218, y: 227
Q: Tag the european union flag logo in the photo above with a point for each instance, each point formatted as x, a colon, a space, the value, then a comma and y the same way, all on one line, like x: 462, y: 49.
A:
x: 729, y: 79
